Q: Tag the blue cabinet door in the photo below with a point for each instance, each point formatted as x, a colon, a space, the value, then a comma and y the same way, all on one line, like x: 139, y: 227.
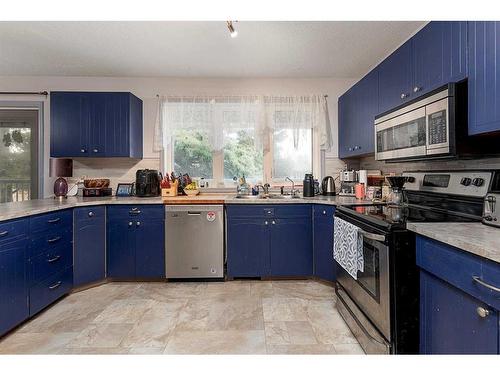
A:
x: 366, y: 108
x: 439, y: 55
x: 149, y: 248
x: 13, y: 284
x: 484, y: 77
x: 116, y: 121
x: 248, y: 251
x: 450, y: 323
x: 291, y: 247
x: 97, y: 124
x: 89, y: 245
x: 69, y: 124
x: 395, y: 78
x: 324, y: 265
x: 120, y: 248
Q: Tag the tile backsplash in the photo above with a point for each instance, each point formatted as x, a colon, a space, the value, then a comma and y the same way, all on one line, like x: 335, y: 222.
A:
x: 116, y: 169
x: 398, y: 168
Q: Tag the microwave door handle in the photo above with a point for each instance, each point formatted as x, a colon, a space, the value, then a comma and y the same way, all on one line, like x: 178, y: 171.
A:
x: 373, y: 236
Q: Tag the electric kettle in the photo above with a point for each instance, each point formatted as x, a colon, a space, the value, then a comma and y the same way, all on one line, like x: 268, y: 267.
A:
x: 328, y: 186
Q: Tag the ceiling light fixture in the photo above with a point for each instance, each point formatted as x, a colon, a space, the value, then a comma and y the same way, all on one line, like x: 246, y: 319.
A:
x: 232, y: 31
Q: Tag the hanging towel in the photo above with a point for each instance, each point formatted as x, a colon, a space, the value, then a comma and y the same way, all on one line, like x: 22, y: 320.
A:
x: 348, y: 247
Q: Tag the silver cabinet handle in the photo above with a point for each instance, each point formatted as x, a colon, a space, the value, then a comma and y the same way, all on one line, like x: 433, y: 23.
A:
x: 53, y: 221
x: 350, y: 148
x: 91, y: 214
x: 273, y: 222
x: 55, y: 259
x: 4, y: 233
x: 82, y: 150
x: 324, y: 212
x: 55, y: 239
x: 482, y: 312
x: 266, y: 222
x: 417, y: 89
x: 95, y: 150
x: 478, y: 280
x: 135, y: 211
x: 130, y: 223
x: 372, y: 236
x: 403, y: 96
x: 56, y: 285
x: 138, y: 223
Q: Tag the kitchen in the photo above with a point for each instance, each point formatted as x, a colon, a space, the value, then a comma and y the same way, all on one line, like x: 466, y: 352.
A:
x: 188, y: 207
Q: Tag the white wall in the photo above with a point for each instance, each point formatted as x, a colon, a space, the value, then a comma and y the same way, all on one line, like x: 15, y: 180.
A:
x: 146, y: 88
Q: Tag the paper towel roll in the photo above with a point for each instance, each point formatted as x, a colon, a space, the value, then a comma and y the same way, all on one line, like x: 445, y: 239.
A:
x: 363, y: 177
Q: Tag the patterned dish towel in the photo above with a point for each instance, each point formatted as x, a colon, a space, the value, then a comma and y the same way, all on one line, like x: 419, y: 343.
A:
x: 348, y: 247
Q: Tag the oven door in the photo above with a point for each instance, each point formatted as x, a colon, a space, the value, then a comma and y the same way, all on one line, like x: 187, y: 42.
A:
x: 371, y: 291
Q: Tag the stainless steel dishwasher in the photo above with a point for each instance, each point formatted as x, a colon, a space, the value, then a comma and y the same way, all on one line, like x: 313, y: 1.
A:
x: 194, y: 238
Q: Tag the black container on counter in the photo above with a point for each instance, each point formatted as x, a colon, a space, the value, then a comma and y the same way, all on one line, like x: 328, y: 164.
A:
x: 308, y: 186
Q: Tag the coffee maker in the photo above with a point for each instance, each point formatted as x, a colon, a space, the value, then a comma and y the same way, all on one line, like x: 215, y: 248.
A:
x: 147, y: 183
x: 348, y: 181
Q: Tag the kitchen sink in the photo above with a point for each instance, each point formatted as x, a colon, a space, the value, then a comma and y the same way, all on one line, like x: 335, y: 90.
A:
x: 269, y: 196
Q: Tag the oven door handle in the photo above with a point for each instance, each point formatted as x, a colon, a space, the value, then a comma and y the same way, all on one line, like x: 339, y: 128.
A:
x: 372, y: 236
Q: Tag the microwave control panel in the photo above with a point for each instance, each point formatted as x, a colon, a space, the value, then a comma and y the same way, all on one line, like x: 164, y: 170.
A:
x: 437, y: 127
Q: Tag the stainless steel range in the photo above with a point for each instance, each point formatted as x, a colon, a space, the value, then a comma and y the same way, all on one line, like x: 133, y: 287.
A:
x: 382, y: 306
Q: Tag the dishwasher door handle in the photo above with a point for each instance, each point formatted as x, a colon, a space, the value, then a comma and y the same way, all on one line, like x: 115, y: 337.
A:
x: 194, y: 213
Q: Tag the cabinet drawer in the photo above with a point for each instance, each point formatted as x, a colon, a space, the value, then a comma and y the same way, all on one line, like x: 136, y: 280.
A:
x: 459, y: 269
x: 56, y: 220
x: 324, y: 211
x: 12, y: 230
x: 137, y: 211
x: 49, y: 290
x: 50, y: 262
x: 93, y: 213
x: 50, y: 240
x: 262, y: 211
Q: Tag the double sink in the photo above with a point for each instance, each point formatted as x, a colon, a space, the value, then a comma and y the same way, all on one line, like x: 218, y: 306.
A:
x: 268, y: 196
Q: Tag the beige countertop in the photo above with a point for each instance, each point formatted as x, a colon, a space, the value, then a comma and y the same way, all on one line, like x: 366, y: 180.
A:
x: 475, y: 238
x: 38, y: 206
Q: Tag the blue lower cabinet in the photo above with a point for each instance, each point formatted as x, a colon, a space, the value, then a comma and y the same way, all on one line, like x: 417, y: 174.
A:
x: 13, y: 284
x: 459, y: 305
x: 136, y: 243
x: 89, y: 265
x: 323, y: 219
x: 274, y: 240
x: 248, y: 247
x: 150, y: 249
x: 451, y: 322
x: 291, y: 247
x: 50, y: 290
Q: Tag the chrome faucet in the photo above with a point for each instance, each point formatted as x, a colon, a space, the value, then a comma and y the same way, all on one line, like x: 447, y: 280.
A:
x: 265, y: 188
x: 293, y: 191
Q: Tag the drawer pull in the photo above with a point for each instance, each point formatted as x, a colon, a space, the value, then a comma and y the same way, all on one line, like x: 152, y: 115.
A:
x: 91, y: 214
x: 324, y: 212
x: 478, y: 280
x: 4, y: 233
x: 55, y: 259
x: 55, y: 286
x: 134, y: 211
x: 55, y: 239
x: 53, y: 221
x: 482, y: 312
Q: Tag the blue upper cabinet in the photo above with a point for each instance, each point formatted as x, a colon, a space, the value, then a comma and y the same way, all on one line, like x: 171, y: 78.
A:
x: 439, y: 55
x: 395, y: 78
x: 95, y: 124
x: 357, y: 110
x: 484, y: 77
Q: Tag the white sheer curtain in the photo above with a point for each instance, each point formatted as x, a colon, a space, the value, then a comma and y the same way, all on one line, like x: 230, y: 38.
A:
x: 214, y: 114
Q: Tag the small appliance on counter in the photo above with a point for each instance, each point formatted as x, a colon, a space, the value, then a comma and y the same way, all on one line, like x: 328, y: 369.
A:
x: 328, y: 186
x: 308, y: 186
x: 348, y: 181
x: 96, y: 187
x: 397, y: 195
x: 147, y: 183
x: 491, y: 209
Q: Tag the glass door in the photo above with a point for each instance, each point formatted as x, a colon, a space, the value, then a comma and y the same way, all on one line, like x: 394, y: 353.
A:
x: 18, y: 154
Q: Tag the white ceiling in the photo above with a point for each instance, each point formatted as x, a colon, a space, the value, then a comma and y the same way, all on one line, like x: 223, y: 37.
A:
x: 198, y: 49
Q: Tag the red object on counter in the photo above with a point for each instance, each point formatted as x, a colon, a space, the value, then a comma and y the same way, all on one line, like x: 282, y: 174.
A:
x: 359, y: 191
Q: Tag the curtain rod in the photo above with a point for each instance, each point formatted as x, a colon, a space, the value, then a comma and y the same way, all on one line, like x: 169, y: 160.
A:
x: 45, y: 93
x: 157, y: 95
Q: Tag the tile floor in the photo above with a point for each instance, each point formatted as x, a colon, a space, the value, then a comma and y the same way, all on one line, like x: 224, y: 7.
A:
x: 236, y: 317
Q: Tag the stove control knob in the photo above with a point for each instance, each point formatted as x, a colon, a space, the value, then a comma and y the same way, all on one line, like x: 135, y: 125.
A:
x: 465, y: 181
x: 478, y: 182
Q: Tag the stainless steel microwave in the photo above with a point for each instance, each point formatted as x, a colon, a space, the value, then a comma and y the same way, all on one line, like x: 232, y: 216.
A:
x: 421, y: 129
